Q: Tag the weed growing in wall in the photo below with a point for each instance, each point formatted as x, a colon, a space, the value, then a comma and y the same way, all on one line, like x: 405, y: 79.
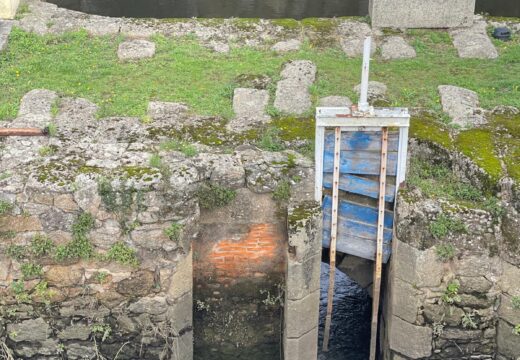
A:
x: 469, y: 322
x: 282, y: 192
x: 451, y: 294
x: 5, y: 207
x: 515, y: 302
x: 51, y: 129
x: 444, y: 225
x: 80, y: 246
x: 445, y: 252
x: 47, y: 150
x: 516, y: 330
x: 187, y: 149
x: 101, y: 277
x: 155, y: 161
x: 101, y: 330
x: 271, y: 141
x: 121, y: 253
x: 31, y: 271
x: 174, y: 232
x: 212, y: 196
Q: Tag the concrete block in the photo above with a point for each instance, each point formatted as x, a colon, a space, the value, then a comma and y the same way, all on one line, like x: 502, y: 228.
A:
x: 412, y: 341
x: 301, y: 316
x: 303, y: 348
x: 8, y: 8
x: 304, y: 227
x: 303, y: 278
x: 421, y: 14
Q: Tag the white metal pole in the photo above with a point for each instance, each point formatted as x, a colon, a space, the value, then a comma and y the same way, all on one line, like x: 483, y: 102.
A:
x: 363, y: 95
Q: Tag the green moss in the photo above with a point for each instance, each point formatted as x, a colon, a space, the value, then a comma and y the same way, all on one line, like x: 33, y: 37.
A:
x: 246, y: 24
x: 320, y: 24
x: 270, y: 140
x: 293, y: 128
x: 506, y: 134
x: 304, y: 211
x: 5, y: 207
x: 139, y: 172
x: 289, y: 24
x: 425, y: 127
x: 478, y: 145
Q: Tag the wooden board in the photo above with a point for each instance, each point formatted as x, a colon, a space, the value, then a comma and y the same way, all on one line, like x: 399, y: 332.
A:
x: 360, y: 213
x: 348, y: 227
x: 362, y: 140
x: 360, y: 162
x: 359, y: 185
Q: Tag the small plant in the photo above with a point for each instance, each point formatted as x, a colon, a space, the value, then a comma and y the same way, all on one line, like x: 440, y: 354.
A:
x: 438, y: 328
x: 16, y: 252
x: 51, y: 129
x: 493, y: 206
x: 79, y: 246
x: 282, y: 192
x: 122, y: 253
x: 31, y: 271
x: 155, y: 161
x: 451, y: 294
x: 47, y: 150
x: 41, y: 245
x: 5, y: 207
x: 188, y: 150
x: 43, y: 292
x: 55, y: 106
x: 212, y: 196
x: 271, y: 141
x: 516, y: 330
x: 21, y: 295
x: 515, y: 302
x: 146, y: 119
x: 5, y: 175
x: 103, y: 330
x: 202, y: 306
x: 444, y: 225
x: 174, y: 232
x: 468, y: 322
x: 445, y: 252
x: 101, y: 277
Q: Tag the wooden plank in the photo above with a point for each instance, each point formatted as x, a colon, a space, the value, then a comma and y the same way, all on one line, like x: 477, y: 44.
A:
x: 378, y: 268
x: 333, y: 238
x: 357, y: 246
x: 362, y: 140
x: 361, y: 213
x: 360, y: 162
x: 352, y: 227
x: 359, y: 185
x: 318, y: 157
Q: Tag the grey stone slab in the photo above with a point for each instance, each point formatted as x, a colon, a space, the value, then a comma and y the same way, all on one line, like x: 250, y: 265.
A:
x: 509, y: 282
x: 395, y: 47
x: 136, y: 50
x: 292, y: 98
x: 29, y: 330
x: 473, y: 42
x: 301, y: 316
x: 5, y: 30
x: 335, y: 101
x: 376, y: 90
x: 421, y: 14
x: 405, y: 301
x: 287, y: 46
x: 506, y: 310
x: 303, y: 348
x: 462, y: 105
x: 249, y: 106
x: 303, y: 278
x: 507, y: 342
x: 412, y: 341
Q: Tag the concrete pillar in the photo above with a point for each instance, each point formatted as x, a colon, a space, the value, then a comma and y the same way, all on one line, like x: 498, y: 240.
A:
x: 8, y: 8
x: 421, y: 13
x: 302, y: 293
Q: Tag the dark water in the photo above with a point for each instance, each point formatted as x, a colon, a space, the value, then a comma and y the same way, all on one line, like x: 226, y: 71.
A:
x: 269, y: 9
x: 350, y: 330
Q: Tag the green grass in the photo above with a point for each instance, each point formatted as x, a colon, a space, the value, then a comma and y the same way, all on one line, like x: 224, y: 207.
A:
x: 76, y: 64
x: 444, y: 225
x: 212, y: 196
x: 187, y: 149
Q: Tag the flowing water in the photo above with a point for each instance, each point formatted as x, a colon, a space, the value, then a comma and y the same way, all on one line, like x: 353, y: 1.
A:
x: 350, y: 329
x: 269, y: 9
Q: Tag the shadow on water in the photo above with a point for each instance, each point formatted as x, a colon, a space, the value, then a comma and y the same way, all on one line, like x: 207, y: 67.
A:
x: 350, y: 330
x: 499, y: 7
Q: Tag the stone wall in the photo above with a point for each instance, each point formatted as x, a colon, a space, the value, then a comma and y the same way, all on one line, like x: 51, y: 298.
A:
x: 452, y: 296
x: 8, y: 8
x: 421, y: 14
x: 97, y: 223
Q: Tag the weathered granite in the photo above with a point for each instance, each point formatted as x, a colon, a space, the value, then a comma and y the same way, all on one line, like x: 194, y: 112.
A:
x: 135, y: 50
x: 395, y: 47
x: 474, y: 42
x: 462, y: 105
x: 287, y: 46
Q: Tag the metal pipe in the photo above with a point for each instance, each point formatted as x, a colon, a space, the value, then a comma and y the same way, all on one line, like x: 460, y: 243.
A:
x: 363, y: 94
x: 23, y: 132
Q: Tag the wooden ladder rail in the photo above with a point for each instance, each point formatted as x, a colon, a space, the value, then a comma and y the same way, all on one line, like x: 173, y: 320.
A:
x: 378, y: 266
x: 333, y: 237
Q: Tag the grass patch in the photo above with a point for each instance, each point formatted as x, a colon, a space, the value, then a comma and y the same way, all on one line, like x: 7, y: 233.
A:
x: 121, y: 253
x: 155, y: 161
x: 212, y: 196
x: 444, y: 225
x: 445, y: 252
x: 174, y: 232
x: 31, y: 271
x: 270, y: 140
x: 187, y: 149
x: 5, y: 207
x: 282, y: 192
x: 47, y: 150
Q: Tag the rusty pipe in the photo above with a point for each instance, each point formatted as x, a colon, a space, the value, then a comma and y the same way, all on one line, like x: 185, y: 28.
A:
x: 23, y: 132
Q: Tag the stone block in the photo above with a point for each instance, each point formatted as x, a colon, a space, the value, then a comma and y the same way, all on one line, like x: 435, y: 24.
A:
x: 405, y: 301
x: 182, y: 280
x: 301, y: 316
x: 304, y: 229
x: 65, y: 202
x: 8, y: 8
x: 412, y: 341
x: 149, y: 305
x: 509, y: 280
x: 180, y: 313
x: 303, y: 278
x: 474, y: 284
x: 64, y: 275
x: 75, y: 332
x: 303, y: 348
x: 507, y: 312
x: 335, y: 101
x: 20, y: 223
x: 136, y: 50
x: 507, y: 342
x: 421, y: 14
x: 395, y: 47
x: 28, y: 330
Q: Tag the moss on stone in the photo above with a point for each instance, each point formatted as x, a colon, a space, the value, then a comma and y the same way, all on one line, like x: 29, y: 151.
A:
x: 478, y: 145
x: 246, y: 24
x: 507, y: 140
x: 293, y: 128
x: 140, y: 172
x: 425, y: 127
x: 301, y: 213
x: 320, y: 24
x: 289, y: 24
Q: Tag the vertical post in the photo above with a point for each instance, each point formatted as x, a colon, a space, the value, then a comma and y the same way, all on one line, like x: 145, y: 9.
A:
x: 363, y: 94
x: 402, y: 157
x: 378, y: 267
x: 318, y: 157
x: 333, y: 236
